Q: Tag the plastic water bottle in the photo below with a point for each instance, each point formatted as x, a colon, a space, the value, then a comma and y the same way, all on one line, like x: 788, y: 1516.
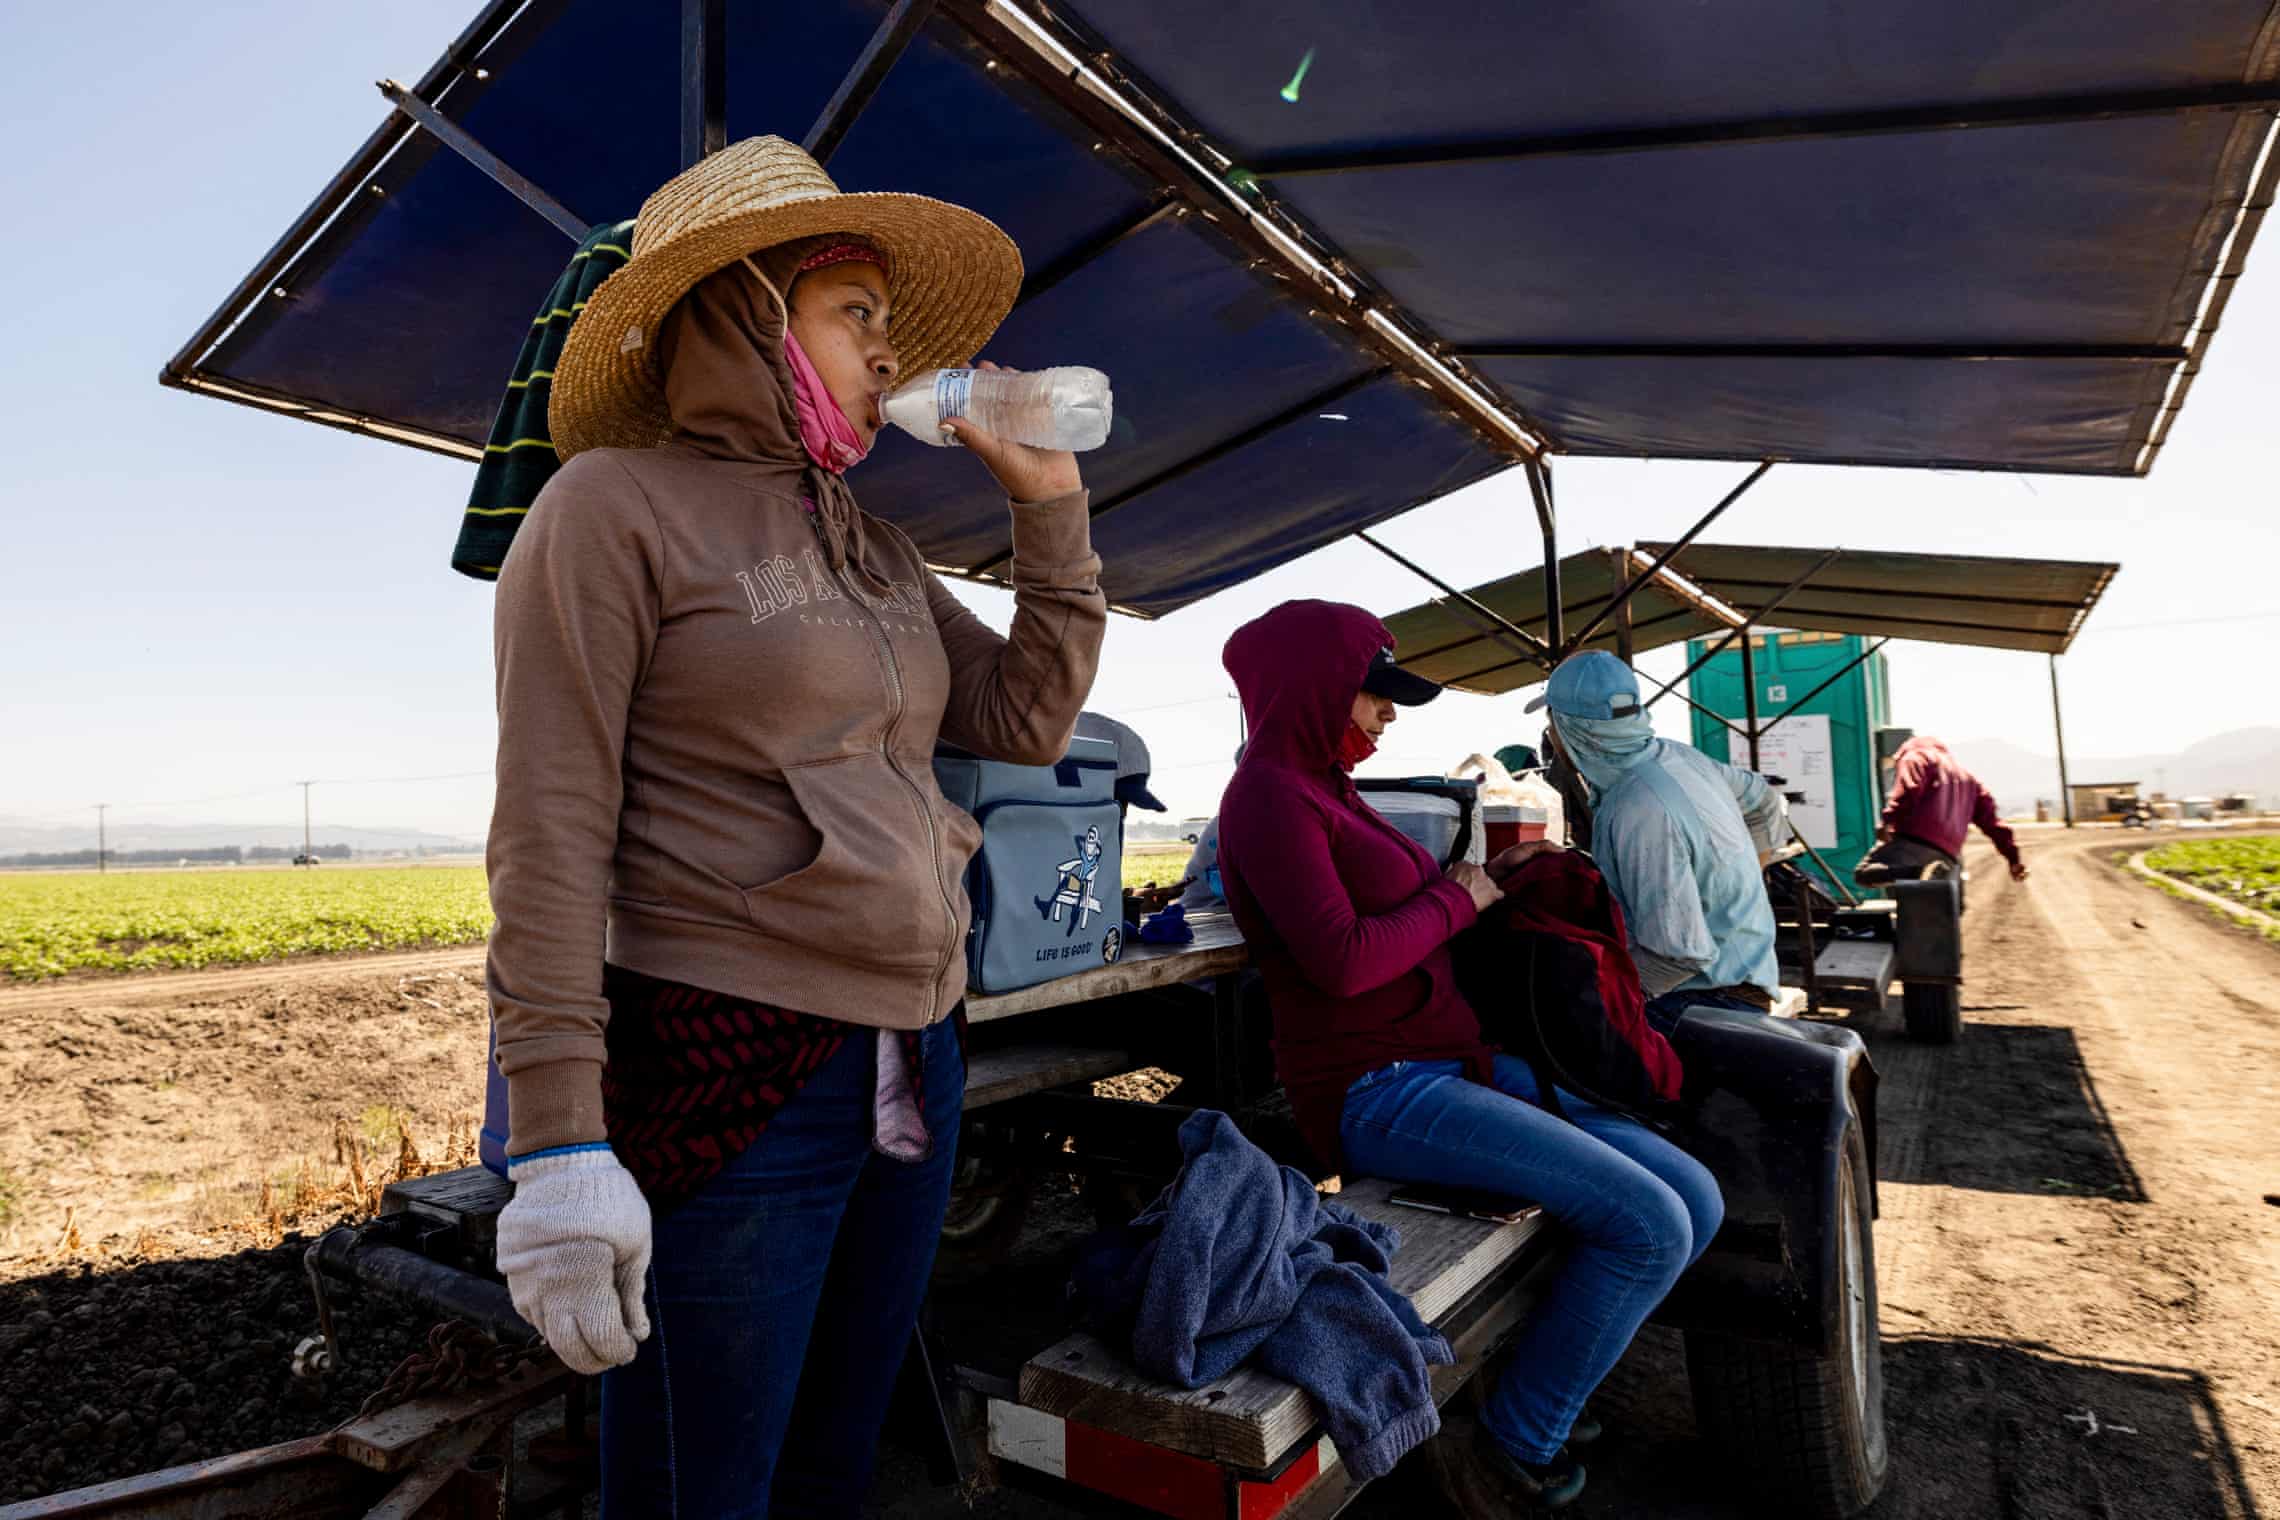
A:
x: 1068, y: 407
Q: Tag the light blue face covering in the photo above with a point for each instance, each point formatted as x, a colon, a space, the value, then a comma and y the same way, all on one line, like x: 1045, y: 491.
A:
x: 1603, y: 749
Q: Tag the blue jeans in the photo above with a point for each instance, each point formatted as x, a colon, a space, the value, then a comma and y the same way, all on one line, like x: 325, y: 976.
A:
x: 782, y: 1298
x: 1638, y: 1210
x: 1663, y: 1013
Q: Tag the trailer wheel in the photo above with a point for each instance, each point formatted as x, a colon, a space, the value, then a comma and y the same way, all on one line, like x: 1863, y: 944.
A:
x: 1806, y: 1431
x: 990, y: 1194
x: 1933, y: 1010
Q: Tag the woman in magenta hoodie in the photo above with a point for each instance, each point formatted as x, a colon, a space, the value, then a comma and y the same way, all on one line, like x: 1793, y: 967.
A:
x: 1350, y: 922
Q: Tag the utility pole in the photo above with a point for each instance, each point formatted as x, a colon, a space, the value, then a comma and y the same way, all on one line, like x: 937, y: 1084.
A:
x: 102, y: 836
x: 308, y: 851
x: 2058, y: 726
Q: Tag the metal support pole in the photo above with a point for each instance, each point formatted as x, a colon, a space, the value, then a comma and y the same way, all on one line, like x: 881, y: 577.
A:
x: 1849, y: 667
x: 1529, y: 646
x: 1540, y: 487
x: 1729, y: 724
x: 894, y: 34
x: 1623, y: 639
x: 2058, y: 726
x: 308, y: 846
x: 102, y: 837
x: 1843, y: 891
x: 1749, y: 696
x: 1669, y: 553
x: 704, y: 78
x: 1810, y: 935
x: 1758, y: 616
x: 457, y: 138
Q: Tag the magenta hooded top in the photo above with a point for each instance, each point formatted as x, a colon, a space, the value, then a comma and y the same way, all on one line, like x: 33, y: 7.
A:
x: 1935, y: 801
x: 1348, y: 919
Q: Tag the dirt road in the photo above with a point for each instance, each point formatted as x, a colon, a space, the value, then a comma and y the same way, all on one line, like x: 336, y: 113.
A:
x: 2073, y: 1225
x: 2074, y: 1221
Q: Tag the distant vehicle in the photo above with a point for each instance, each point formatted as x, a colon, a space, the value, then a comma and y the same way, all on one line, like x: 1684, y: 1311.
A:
x: 307, y: 860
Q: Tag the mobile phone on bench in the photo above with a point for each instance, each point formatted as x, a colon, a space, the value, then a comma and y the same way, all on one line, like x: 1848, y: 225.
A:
x: 1469, y: 1203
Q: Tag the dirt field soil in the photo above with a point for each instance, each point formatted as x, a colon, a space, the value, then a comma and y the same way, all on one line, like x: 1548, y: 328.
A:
x: 2080, y: 1270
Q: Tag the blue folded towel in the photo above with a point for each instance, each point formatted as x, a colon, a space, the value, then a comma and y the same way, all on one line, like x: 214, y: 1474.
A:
x: 1241, y: 1260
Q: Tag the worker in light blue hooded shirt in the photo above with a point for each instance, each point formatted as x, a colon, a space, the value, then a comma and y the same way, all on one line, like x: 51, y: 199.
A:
x: 1678, y: 836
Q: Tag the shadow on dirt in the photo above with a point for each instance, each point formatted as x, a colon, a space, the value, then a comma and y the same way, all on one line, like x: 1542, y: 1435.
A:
x: 1978, y: 1428
x: 2015, y: 1428
x: 2023, y: 1116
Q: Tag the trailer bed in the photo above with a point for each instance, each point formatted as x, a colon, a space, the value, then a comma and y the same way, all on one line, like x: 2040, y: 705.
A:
x: 1251, y: 1446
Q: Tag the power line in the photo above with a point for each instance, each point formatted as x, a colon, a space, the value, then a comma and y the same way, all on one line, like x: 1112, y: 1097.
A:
x: 274, y: 787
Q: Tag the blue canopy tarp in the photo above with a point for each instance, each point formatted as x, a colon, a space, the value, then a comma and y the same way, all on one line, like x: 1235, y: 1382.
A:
x: 1945, y: 234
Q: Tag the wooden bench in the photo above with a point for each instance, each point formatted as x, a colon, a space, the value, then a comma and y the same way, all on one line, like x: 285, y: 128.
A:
x: 1248, y: 1421
x: 997, y: 1076
x: 1218, y: 950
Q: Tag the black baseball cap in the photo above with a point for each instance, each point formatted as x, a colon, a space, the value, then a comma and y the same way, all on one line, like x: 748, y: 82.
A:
x: 1388, y: 680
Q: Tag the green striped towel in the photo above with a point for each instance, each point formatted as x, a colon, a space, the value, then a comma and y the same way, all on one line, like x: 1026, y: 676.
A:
x: 519, y: 459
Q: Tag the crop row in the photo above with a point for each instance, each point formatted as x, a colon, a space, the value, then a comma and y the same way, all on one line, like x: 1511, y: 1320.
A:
x: 55, y: 924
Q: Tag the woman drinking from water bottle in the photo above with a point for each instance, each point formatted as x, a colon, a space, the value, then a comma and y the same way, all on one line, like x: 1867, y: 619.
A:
x: 728, y: 960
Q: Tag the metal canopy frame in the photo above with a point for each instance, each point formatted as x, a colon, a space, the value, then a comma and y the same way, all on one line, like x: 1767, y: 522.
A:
x: 1035, y: 43
x: 2125, y: 353
x: 1622, y: 598
x: 1933, y: 626
x: 1070, y: 66
x: 1074, y: 68
x: 448, y: 81
x: 2042, y: 111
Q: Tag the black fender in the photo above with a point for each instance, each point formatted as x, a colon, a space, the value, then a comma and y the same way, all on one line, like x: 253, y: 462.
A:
x: 1771, y: 1106
x: 1928, y: 936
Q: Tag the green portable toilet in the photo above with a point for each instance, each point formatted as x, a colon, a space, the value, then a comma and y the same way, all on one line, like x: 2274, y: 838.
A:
x: 1830, y: 748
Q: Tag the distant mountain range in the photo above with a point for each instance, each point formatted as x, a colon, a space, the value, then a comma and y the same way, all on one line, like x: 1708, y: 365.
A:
x: 22, y: 837
x: 2244, y: 760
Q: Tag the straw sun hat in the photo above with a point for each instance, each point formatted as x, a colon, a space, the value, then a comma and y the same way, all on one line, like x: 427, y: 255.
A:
x: 954, y: 276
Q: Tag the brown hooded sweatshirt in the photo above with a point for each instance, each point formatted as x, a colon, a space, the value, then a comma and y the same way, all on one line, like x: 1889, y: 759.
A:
x: 720, y: 683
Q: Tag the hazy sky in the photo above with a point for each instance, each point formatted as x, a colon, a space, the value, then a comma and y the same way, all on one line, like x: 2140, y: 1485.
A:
x: 204, y: 602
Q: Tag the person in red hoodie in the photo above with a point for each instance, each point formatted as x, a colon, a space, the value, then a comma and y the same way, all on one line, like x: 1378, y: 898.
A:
x: 1350, y: 923
x: 1934, y: 803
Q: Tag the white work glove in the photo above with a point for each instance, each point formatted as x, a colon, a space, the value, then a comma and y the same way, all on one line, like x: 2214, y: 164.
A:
x: 574, y: 1245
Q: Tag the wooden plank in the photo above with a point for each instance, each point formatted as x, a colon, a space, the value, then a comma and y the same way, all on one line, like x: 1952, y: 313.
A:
x: 394, y: 1439
x: 1856, y: 963
x: 1217, y: 951
x: 994, y: 1076
x: 1248, y: 1419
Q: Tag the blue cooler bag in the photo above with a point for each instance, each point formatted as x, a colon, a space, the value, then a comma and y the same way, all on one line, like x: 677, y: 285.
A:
x: 1048, y: 884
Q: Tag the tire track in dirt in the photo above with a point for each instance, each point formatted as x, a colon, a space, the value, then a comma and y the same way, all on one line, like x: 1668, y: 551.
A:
x: 173, y: 986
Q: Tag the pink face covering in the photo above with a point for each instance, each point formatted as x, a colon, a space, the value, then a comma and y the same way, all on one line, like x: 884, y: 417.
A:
x: 831, y: 440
